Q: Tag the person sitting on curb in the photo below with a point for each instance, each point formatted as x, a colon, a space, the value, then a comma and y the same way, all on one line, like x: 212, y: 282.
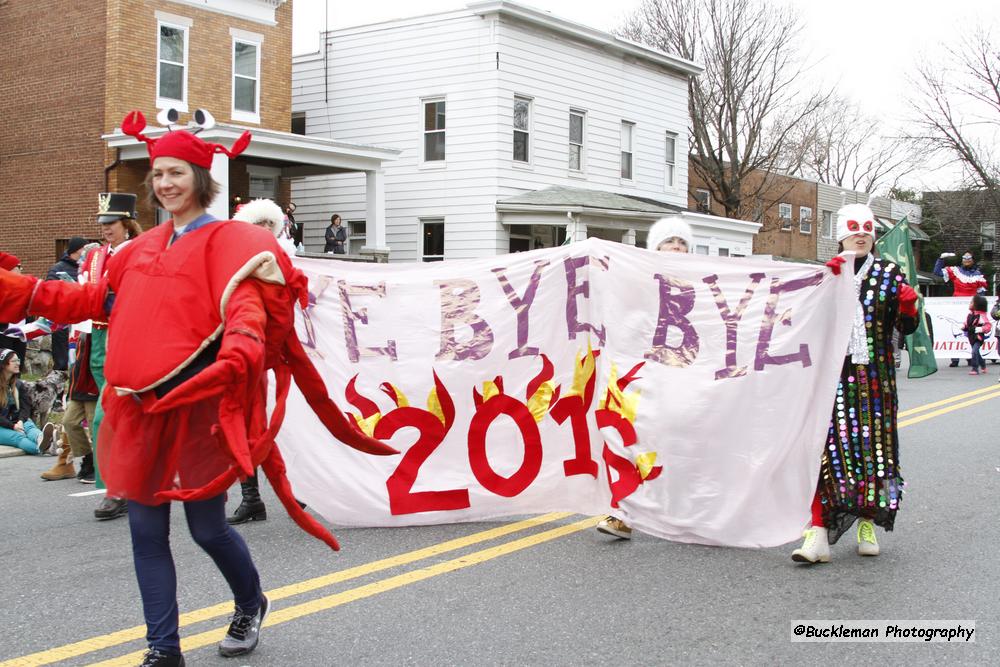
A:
x: 670, y: 234
x: 16, y: 427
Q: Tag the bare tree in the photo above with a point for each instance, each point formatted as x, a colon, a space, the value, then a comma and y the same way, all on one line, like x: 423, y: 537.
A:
x: 841, y: 145
x: 747, y: 103
x: 958, y: 110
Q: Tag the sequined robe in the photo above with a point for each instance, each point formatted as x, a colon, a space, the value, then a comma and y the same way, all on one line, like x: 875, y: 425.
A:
x: 860, y: 474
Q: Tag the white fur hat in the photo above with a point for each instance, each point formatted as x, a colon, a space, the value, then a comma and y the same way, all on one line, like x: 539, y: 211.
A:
x: 668, y: 228
x: 855, y: 219
x: 262, y: 212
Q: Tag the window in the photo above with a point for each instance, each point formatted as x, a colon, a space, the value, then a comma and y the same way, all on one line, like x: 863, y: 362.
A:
x: 522, y: 129
x: 357, y: 232
x: 263, y: 187
x: 298, y: 122
x: 171, y: 74
x: 246, y: 79
x: 723, y: 252
x: 432, y: 231
x: 988, y: 230
x: 785, y: 215
x: 576, y: 119
x: 628, y: 129
x: 701, y: 250
x: 827, y: 224
x: 670, y: 160
x: 703, y: 197
x: 805, y: 220
x: 433, y: 130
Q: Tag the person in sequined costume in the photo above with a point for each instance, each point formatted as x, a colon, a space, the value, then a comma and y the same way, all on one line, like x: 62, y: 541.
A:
x: 860, y: 479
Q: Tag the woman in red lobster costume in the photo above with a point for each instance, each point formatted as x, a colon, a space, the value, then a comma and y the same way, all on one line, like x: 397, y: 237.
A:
x: 213, y: 303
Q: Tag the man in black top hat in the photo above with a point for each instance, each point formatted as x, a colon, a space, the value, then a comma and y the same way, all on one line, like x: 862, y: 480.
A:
x: 65, y: 269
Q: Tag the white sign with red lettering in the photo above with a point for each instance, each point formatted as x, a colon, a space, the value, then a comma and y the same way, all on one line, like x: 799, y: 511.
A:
x: 948, y: 315
x: 689, y: 395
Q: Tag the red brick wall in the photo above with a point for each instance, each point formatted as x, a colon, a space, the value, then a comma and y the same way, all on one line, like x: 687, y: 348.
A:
x: 71, y: 70
x: 771, y: 239
x: 51, y: 117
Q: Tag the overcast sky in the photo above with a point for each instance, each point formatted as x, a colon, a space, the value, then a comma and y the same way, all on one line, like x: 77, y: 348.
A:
x: 867, y: 48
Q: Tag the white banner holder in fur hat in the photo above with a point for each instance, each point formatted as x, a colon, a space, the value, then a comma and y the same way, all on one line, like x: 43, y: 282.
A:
x: 263, y: 213
x: 670, y: 227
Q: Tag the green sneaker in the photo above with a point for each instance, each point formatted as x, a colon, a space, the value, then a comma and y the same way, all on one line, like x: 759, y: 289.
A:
x: 867, y: 544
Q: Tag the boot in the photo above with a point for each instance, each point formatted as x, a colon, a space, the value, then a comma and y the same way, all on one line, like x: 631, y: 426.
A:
x: 252, y: 507
x: 867, y: 544
x: 63, y: 468
x: 86, y: 474
x: 815, y: 547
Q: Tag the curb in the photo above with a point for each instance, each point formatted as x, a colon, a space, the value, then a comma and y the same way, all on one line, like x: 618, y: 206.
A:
x: 10, y: 452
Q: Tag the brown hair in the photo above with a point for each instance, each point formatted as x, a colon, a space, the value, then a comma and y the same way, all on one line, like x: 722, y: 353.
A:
x: 205, y: 187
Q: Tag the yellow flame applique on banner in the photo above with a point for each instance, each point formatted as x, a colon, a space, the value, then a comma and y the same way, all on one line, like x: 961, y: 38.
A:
x: 645, y: 462
x: 538, y: 404
x: 625, y: 404
x: 490, y: 389
x: 583, y: 369
x: 367, y: 426
x: 434, y: 405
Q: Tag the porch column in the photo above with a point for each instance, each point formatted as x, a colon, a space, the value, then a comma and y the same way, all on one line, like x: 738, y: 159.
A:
x: 220, y: 172
x: 375, y: 216
x: 628, y: 238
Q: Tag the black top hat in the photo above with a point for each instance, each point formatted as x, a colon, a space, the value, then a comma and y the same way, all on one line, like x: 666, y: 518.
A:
x: 113, y: 206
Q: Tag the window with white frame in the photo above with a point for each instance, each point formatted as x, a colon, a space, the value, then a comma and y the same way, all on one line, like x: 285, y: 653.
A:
x: 522, y: 129
x: 246, y: 80
x: 670, y: 163
x: 703, y: 199
x: 723, y: 252
x: 576, y: 133
x: 785, y: 215
x: 432, y: 239
x: 434, y: 123
x: 701, y: 250
x: 805, y: 220
x: 827, y: 230
x: 628, y: 130
x: 357, y: 233
x: 171, y: 73
x: 988, y: 230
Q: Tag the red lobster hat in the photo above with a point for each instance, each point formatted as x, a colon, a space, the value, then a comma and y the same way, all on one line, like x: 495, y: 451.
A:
x: 180, y: 144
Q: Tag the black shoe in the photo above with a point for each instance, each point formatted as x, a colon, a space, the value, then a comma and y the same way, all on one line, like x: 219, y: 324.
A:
x: 953, y: 364
x: 248, y: 511
x: 244, y: 631
x: 86, y: 474
x: 157, y: 658
x: 111, y: 508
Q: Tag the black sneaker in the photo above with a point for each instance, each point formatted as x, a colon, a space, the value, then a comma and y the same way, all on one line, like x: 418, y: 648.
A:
x: 86, y: 474
x: 111, y: 508
x: 157, y: 658
x: 244, y: 631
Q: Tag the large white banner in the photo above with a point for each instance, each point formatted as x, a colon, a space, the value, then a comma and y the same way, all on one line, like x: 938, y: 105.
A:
x: 948, y: 315
x: 693, y: 392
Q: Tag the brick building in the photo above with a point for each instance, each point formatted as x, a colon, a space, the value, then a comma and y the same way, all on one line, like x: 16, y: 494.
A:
x: 72, y: 70
x: 785, y: 209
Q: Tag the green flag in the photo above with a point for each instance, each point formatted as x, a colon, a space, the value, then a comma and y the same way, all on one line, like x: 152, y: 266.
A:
x: 895, y: 246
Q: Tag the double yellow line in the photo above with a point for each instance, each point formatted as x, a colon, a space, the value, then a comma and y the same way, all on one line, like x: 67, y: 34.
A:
x: 925, y: 412
x: 285, y: 614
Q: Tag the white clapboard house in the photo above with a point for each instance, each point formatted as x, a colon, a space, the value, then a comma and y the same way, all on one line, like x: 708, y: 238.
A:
x: 516, y: 128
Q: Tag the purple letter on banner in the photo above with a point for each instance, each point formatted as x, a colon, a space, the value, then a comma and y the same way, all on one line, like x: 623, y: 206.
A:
x: 521, y: 306
x: 731, y: 320
x: 354, y: 353
x: 459, y: 298
x: 673, y: 308
x: 573, y: 324
x: 771, y: 316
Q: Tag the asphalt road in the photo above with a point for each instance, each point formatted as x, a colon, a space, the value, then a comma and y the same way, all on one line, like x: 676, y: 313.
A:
x: 541, y: 591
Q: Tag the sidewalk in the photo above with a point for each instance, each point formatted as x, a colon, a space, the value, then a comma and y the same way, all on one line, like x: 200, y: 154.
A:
x: 8, y: 452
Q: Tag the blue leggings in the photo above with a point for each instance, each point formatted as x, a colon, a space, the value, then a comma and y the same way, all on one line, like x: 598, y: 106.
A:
x: 977, y: 357
x: 154, y: 565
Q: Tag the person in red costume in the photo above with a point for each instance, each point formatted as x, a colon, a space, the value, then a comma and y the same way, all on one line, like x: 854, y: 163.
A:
x: 860, y: 479
x: 214, y: 300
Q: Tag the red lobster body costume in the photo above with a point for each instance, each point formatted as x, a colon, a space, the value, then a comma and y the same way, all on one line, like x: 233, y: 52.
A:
x: 194, y: 327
